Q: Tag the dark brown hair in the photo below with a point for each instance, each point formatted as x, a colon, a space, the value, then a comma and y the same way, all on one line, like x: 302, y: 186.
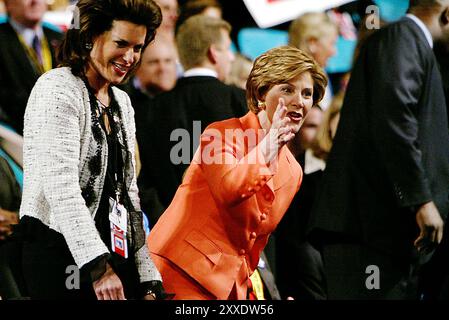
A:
x: 94, y: 17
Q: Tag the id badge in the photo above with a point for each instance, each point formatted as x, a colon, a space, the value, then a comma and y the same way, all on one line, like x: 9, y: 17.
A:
x: 118, y: 219
x: 119, y: 244
x: 118, y: 215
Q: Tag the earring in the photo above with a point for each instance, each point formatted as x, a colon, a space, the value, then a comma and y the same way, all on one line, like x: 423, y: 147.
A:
x: 261, y: 105
x: 88, y: 46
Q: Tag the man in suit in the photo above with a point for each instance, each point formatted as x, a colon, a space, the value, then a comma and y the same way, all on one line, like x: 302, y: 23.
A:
x: 435, y: 275
x: 27, y: 50
x: 198, y: 99
x: 384, y: 192
x: 156, y: 74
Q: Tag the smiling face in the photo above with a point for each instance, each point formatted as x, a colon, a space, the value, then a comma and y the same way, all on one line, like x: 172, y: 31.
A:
x: 297, y: 95
x: 115, y: 53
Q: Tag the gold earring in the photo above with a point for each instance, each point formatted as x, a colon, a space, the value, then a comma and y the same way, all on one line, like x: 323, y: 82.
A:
x: 261, y: 105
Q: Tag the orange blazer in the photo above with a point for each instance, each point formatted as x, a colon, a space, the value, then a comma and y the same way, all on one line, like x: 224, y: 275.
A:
x: 229, y: 202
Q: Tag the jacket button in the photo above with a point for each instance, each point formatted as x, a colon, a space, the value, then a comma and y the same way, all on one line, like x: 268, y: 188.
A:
x: 242, y: 252
x: 243, y: 195
x: 263, y: 216
x: 250, y: 189
x: 253, y: 235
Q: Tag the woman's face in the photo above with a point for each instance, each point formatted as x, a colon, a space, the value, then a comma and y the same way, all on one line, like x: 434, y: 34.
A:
x: 116, y: 52
x: 325, y: 48
x: 169, y: 9
x: 297, y: 95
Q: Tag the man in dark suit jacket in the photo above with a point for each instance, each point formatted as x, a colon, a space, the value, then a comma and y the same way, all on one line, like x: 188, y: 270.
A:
x: 387, y: 177
x: 20, y: 64
x: 198, y: 99
x: 157, y: 73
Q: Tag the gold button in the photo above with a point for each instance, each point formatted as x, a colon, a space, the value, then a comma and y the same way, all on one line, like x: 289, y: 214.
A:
x: 242, y: 252
x: 263, y: 216
x: 243, y: 195
x: 253, y: 235
x: 250, y: 189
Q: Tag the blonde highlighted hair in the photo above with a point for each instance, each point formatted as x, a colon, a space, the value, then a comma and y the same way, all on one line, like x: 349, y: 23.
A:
x: 322, y: 143
x: 280, y: 65
x: 311, y: 25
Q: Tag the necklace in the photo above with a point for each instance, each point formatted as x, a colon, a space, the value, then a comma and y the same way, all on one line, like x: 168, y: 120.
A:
x: 102, y: 105
x: 104, y: 111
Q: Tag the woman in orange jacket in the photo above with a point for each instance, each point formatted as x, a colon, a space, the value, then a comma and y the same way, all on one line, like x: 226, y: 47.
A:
x: 239, y: 184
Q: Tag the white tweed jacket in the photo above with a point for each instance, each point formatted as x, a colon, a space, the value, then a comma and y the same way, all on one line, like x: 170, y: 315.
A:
x: 65, y: 159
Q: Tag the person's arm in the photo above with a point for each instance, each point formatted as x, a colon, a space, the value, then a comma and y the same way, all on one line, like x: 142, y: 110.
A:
x: 233, y: 177
x: 398, y: 80
x: 53, y: 116
x: 7, y: 219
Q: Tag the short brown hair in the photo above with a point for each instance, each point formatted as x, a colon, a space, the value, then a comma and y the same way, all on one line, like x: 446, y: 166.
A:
x: 96, y: 17
x: 280, y: 65
x: 196, y: 35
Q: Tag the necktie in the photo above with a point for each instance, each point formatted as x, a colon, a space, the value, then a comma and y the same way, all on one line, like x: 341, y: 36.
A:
x: 37, y: 48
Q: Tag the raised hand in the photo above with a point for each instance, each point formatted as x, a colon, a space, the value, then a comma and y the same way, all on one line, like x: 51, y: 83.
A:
x: 282, y: 131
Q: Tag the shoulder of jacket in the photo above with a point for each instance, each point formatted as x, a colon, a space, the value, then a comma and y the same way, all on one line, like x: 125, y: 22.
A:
x: 121, y: 96
x: 228, y: 124
x: 61, y: 82
x: 63, y: 74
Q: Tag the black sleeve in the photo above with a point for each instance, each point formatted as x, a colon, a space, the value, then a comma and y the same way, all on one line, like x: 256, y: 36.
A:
x: 95, y: 269
x: 397, y: 66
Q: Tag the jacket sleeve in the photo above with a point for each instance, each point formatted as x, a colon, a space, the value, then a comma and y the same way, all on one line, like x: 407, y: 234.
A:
x: 53, y: 118
x: 232, y: 173
x: 397, y: 67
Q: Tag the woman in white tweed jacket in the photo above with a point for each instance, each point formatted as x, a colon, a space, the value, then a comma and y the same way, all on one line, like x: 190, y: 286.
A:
x: 79, y: 142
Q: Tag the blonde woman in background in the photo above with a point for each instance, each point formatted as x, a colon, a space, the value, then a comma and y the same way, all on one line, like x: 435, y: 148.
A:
x: 316, y: 34
x: 240, y: 70
x: 322, y: 143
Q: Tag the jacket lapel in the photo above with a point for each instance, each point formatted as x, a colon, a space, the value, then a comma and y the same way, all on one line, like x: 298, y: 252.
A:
x: 124, y: 139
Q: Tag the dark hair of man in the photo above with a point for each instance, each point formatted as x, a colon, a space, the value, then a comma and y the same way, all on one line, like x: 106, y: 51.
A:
x: 94, y: 17
x: 194, y: 7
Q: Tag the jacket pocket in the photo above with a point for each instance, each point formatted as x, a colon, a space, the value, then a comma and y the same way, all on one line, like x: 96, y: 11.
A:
x: 204, y: 245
